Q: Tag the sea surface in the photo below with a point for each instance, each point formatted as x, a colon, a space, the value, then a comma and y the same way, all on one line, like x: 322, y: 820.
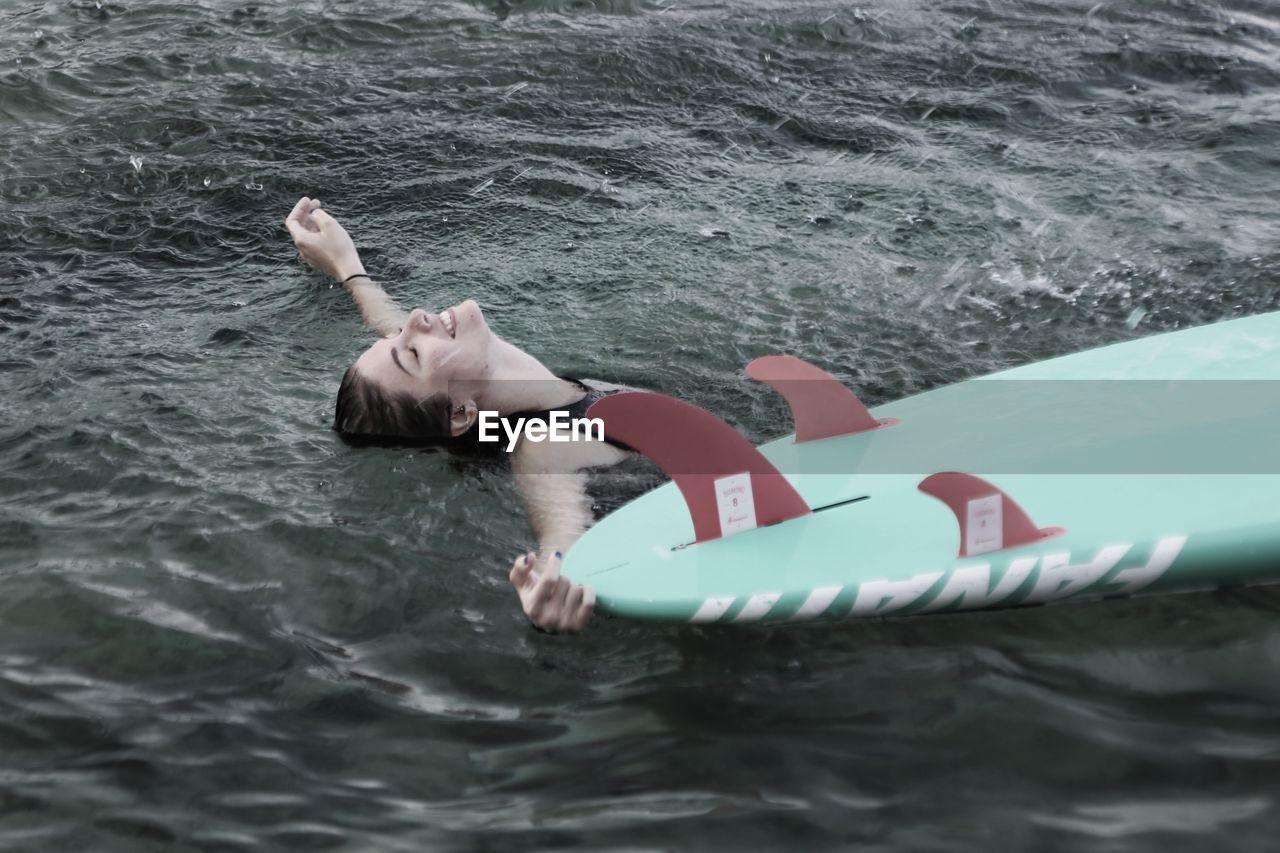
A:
x: 222, y: 629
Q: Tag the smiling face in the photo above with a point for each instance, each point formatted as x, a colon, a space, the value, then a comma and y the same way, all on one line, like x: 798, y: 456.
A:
x: 431, y: 351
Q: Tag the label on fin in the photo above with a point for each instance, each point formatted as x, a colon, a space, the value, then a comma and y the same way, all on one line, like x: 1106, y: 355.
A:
x: 985, y: 529
x: 735, y: 502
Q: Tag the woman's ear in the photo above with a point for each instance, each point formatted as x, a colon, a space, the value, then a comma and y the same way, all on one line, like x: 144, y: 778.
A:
x: 461, y: 416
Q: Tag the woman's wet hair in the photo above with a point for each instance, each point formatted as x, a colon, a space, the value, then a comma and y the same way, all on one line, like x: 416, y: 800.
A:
x: 366, y: 414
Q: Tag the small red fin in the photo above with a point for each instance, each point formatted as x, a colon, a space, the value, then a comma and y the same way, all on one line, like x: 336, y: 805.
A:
x: 726, y: 483
x: 821, y: 407
x: 989, y: 519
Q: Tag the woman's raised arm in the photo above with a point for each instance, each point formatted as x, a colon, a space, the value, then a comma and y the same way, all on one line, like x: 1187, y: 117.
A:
x: 327, y: 248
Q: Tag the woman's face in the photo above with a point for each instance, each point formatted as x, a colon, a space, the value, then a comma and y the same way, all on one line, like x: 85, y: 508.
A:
x: 430, y: 351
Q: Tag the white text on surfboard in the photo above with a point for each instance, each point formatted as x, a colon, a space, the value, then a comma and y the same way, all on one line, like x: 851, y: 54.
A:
x: 970, y: 587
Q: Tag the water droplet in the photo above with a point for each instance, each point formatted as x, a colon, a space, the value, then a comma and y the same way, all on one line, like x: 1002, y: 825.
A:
x: 136, y: 162
x: 1135, y: 317
x: 208, y: 181
x: 481, y: 187
x: 252, y: 186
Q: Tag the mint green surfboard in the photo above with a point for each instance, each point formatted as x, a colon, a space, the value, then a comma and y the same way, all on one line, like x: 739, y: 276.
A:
x: 1144, y: 467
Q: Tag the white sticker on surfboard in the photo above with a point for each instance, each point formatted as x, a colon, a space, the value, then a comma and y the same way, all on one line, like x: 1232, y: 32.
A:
x: 736, y: 504
x: 985, y: 529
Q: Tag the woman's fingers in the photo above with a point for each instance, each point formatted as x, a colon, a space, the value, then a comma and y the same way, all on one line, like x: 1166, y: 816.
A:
x: 522, y: 570
x: 299, y: 210
x: 308, y: 215
x: 558, y: 607
x: 322, y: 219
x: 302, y: 213
x: 560, y: 597
x: 572, y: 604
x: 573, y: 599
x: 538, y: 601
x: 551, y: 566
x: 547, y: 592
x: 550, y: 599
x: 579, y: 618
x: 546, y: 600
x: 296, y: 230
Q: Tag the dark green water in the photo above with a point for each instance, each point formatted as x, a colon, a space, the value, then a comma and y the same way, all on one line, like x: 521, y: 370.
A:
x: 221, y: 629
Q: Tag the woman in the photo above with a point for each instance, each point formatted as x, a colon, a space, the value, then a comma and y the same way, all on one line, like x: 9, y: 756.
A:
x: 431, y: 375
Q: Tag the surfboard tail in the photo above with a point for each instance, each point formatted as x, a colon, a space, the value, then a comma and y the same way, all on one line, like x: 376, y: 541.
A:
x: 989, y: 519
x: 821, y: 407
x: 726, y: 483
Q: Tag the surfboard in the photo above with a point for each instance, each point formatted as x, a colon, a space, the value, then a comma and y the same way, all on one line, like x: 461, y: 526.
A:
x: 1143, y: 467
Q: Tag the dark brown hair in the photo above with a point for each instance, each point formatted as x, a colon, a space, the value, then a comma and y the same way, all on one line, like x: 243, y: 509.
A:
x: 366, y: 414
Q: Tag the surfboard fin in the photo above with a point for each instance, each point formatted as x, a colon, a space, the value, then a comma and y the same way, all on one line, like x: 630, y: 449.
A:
x: 821, y: 407
x: 989, y: 519
x: 726, y: 483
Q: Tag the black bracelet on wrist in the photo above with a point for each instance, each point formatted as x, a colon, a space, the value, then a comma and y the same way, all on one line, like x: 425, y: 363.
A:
x: 357, y: 275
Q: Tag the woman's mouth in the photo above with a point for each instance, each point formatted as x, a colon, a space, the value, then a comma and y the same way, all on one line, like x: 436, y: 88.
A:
x: 449, y: 322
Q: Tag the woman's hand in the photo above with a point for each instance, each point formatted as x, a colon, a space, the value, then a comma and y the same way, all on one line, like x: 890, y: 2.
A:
x: 550, y: 600
x: 321, y: 241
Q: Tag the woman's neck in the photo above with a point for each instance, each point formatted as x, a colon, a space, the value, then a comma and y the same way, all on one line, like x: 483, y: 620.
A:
x: 518, y: 382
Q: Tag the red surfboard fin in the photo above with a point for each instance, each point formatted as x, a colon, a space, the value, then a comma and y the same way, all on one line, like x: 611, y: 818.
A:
x: 726, y: 483
x: 989, y: 519
x: 821, y: 407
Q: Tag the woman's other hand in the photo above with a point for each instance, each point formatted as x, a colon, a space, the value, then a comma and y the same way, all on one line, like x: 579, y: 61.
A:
x: 550, y: 600
x: 322, y: 242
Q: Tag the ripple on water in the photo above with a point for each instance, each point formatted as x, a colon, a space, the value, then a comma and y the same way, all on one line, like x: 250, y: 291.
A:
x: 1120, y: 820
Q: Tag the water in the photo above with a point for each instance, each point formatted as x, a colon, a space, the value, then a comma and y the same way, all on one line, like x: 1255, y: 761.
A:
x: 221, y: 629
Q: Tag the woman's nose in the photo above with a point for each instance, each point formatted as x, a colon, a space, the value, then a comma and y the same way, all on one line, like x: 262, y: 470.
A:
x: 418, y: 320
